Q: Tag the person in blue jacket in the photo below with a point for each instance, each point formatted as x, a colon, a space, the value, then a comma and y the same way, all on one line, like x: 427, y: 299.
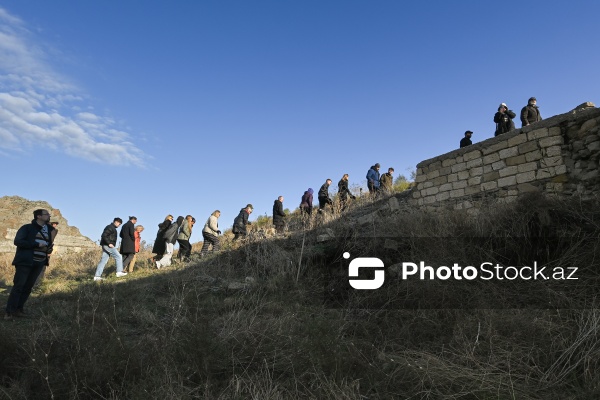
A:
x: 373, y: 178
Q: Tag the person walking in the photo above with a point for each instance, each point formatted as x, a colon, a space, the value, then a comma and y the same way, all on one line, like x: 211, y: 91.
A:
x: 466, y: 141
x: 210, y: 233
x: 127, y: 235
x: 306, y: 204
x: 159, y: 243
x: 278, y: 215
x: 344, y: 192
x: 108, y: 241
x: 530, y: 113
x: 323, y: 196
x: 504, y: 120
x: 387, y: 181
x: 138, y: 239
x: 34, y: 243
x: 373, y: 179
x: 185, y: 248
x: 241, y: 221
x: 53, y: 234
x: 169, y: 237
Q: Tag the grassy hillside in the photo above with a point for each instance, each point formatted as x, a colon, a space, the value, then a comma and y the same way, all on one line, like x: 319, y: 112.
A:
x: 252, y: 321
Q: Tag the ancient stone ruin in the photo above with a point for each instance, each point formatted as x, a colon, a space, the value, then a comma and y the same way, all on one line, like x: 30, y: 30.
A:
x: 16, y: 211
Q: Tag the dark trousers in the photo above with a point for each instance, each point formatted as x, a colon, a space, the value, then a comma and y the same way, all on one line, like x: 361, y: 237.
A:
x: 185, y: 249
x: 237, y: 235
x: 127, y: 258
x: 25, y: 277
x: 279, y: 228
x: 323, y: 201
x: 209, y: 239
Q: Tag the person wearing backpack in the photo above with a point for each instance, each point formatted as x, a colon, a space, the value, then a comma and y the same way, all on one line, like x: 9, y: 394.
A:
x: 169, y: 237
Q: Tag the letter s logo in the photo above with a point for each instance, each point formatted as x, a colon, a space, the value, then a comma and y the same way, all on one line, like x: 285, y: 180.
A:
x: 366, y: 262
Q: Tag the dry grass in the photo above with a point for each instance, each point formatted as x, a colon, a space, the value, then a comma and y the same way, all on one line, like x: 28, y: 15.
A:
x: 184, y: 333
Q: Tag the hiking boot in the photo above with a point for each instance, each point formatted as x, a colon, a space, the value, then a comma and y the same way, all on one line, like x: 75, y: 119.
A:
x: 120, y: 274
x: 98, y: 278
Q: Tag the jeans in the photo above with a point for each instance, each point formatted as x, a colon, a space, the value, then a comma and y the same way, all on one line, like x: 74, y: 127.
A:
x: 165, y: 261
x: 108, y: 252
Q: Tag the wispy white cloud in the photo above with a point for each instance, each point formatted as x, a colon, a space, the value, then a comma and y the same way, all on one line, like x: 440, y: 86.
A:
x: 40, y: 106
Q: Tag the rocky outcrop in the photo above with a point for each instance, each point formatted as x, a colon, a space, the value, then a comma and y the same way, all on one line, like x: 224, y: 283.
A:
x: 16, y: 211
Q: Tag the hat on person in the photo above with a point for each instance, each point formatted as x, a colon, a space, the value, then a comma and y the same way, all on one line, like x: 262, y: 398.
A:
x: 531, y: 99
x: 250, y: 206
x: 467, y: 132
x: 503, y: 105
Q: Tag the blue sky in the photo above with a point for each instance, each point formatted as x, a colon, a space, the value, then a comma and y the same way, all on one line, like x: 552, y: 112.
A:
x: 120, y: 108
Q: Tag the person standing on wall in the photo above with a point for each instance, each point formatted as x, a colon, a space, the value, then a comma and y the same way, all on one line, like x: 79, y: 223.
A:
x: 504, y: 120
x: 530, y: 113
x: 466, y: 141
x: 34, y: 243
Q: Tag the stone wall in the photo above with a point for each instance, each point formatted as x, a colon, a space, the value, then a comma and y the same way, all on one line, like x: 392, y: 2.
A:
x: 558, y: 155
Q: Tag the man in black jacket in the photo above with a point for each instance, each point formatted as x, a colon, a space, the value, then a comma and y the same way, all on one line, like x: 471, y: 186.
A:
x: 530, y: 113
x: 504, y: 120
x: 278, y: 215
x: 128, y: 241
x: 108, y: 241
x: 34, y: 242
x: 344, y: 192
x: 466, y: 141
x: 324, y: 195
x: 241, y: 221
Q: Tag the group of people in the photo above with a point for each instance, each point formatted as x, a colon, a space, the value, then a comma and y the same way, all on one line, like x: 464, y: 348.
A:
x: 504, y: 119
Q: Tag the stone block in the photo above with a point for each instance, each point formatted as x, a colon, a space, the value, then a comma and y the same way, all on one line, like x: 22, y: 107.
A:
x: 416, y: 194
x: 433, y: 174
x: 554, y: 131
x: 590, y: 138
x: 527, y: 147
x: 472, y: 155
x: 551, y: 161
x: 560, y: 169
x: 489, y: 185
x: 588, y: 125
x: 471, y: 190
x: 537, y: 134
x: 507, y: 181
x: 562, y: 178
x: 442, y: 196
x: 448, y: 162
x: 457, y: 193
x: 498, y: 165
x: 474, y: 163
x: 445, y: 187
x: 420, y: 178
x: 459, y: 185
x: 429, y: 200
x: 526, y: 177
x: 516, y: 160
x: 487, y: 168
x: 593, y: 146
x: 431, y: 191
x: 545, y: 173
x: 551, y: 141
x: 509, y: 152
x: 459, y: 167
x: 476, y: 171
x: 504, y: 172
x: 552, y: 151
x: 474, y: 181
x: 427, y: 184
x: 445, y: 171
x: 491, y: 176
x: 532, y: 166
x: 440, y: 180
x: 527, y: 188
x: 514, y: 141
x: 589, y: 175
x: 491, y: 158
x: 533, y: 156
x: 452, y: 177
x: 495, y: 147
x: 463, y: 175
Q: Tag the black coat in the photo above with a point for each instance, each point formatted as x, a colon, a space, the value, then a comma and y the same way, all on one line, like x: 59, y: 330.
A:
x: 127, y: 238
x: 324, y: 191
x: 25, y: 242
x: 343, y: 190
x: 278, y: 214
x: 464, y: 142
x: 109, y: 235
x: 159, y: 246
x: 504, y: 122
x: 240, y: 222
x: 530, y: 114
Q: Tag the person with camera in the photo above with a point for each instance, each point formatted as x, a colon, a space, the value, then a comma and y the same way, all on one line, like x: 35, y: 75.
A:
x: 504, y: 120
